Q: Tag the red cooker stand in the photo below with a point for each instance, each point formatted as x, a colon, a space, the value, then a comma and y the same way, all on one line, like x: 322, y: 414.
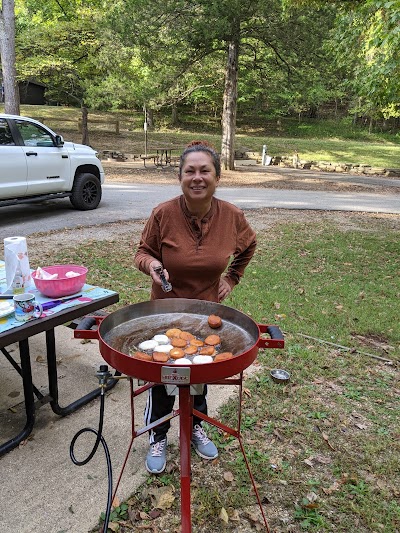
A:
x: 125, y: 328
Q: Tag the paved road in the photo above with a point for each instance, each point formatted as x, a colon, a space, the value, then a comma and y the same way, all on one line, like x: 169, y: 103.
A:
x: 126, y: 201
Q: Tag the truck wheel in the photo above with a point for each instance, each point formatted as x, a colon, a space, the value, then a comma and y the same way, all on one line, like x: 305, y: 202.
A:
x: 86, y: 192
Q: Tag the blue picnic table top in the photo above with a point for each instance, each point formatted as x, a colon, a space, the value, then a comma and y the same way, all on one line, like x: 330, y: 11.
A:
x: 87, y: 294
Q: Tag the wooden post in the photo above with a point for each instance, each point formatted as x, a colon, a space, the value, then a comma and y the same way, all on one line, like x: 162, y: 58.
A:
x: 117, y: 126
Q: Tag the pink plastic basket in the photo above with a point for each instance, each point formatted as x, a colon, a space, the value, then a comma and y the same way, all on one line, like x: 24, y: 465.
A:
x: 62, y: 286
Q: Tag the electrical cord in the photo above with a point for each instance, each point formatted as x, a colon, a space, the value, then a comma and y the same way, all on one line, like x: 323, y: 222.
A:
x: 99, y: 439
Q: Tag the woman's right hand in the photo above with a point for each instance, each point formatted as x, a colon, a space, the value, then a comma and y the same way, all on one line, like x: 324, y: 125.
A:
x: 155, y: 277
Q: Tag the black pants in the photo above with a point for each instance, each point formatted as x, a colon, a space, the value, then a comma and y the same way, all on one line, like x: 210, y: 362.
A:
x: 160, y: 404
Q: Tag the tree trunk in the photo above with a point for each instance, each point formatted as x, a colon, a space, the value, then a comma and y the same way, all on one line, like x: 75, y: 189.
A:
x: 174, y: 115
x: 7, y: 52
x: 150, y: 119
x: 230, y: 107
x: 85, y: 128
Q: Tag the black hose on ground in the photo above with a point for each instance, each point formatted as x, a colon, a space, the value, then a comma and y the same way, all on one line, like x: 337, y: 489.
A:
x: 99, y: 439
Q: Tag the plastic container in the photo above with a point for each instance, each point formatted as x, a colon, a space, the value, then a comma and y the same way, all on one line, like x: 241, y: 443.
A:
x: 18, y: 282
x: 62, y: 286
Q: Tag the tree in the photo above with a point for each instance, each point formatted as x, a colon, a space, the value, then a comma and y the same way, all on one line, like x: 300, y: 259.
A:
x: 369, y: 35
x: 7, y: 52
x: 365, y: 43
x: 59, y: 46
x: 184, y: 33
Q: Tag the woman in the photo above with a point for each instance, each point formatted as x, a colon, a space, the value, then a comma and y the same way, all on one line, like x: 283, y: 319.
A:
x: 193, y: 237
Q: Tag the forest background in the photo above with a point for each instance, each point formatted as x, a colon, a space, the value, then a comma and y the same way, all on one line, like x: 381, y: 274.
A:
x: 254, y: 62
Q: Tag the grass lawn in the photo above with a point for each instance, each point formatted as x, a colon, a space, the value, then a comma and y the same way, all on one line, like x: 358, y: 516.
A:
x: 319, y: 141
x: 324, y: 449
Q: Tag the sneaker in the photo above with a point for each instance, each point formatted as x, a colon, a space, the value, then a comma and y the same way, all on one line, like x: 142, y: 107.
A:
x: 156, y: 458
x: 202, y: 444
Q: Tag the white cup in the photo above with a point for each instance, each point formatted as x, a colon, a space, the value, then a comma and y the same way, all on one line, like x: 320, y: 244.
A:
x: 26, y: 307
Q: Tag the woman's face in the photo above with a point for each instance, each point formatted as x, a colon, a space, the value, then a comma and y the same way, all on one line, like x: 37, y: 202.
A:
x: 198, y: 177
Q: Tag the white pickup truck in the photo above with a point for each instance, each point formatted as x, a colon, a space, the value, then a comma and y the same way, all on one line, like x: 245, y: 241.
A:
x: 36, y: 164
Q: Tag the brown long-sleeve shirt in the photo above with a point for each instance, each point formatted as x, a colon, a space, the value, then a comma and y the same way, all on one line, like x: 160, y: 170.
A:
x: 196, y: 253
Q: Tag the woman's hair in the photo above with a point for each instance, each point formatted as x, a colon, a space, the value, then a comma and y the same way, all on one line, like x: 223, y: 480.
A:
x: 201, y: 146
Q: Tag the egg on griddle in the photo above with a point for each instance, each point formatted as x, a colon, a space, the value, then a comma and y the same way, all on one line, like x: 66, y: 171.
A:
x: 202, y: 359
x: 161, y: 339
x: 164, y: 348
x: 148, y: 345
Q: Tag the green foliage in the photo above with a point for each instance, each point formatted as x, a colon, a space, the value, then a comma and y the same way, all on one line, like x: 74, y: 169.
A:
x: 367, y: 39
x: 118, y: 513
x: 295, y: 56
x: 308, y: 518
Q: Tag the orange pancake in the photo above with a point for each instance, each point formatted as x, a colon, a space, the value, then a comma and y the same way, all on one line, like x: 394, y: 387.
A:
x: 160, y: 357
x: 191, y: 350
x: 212, y: 340
x: 185, y: 335
x: 214, y: 321
x: 173, y: 332
x: 176, y: 353
x: 224, y: 356
x: 142, y: 356
x: 178, y: 343
x: 207, y: 350
x: 196, y: 342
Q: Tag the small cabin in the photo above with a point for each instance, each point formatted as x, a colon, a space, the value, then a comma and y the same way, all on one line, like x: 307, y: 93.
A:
x: 30, y: 92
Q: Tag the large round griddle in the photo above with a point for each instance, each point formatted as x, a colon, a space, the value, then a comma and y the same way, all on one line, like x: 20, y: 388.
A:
x: 124, y: 329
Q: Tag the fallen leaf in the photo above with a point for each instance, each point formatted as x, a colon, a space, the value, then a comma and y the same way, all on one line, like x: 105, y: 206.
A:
x: 333, y: 488
x: 163, y: 497
x: 334, y: 386
x: 322, y: 459
x: 114, y: 526
x: 326, y: 439
x: 228, y: 476
x: 255, y: 522
x: 233, y: 514
x: 312, y: 497
x: 154, y: 513
x: 247, y: 392
x: 277, y: 305
x: 224, y: 516
x: 40, y: 359
x: 116, y: 502
x: 278, y: 434
x: 143, y: 515
x: 311, y: 506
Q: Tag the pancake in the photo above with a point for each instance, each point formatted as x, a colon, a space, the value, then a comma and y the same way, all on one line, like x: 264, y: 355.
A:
x: 214, y: 321
x: 212, y: 340
x: 224, y: 356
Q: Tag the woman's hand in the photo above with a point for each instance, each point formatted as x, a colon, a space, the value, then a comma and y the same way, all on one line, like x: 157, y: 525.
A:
x: 155, y: 277
x: 224, y: 289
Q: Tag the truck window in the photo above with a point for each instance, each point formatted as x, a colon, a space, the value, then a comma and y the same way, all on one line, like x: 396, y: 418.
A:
x: 6, y: 138
x: 33, y: 135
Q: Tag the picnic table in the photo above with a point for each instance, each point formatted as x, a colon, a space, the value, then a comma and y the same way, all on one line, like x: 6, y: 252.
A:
x: 91, y: 299
x: 162, y: 157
